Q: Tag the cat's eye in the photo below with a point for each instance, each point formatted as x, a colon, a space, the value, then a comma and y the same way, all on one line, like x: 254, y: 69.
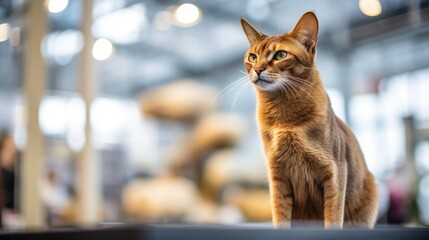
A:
x: 280, y: 55
x: 252, y: 57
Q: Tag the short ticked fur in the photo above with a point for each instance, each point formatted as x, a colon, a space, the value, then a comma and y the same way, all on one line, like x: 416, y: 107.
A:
x: 316, y: 168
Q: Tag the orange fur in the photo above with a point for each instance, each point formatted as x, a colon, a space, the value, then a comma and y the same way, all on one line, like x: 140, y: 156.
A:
x: 316, y: 168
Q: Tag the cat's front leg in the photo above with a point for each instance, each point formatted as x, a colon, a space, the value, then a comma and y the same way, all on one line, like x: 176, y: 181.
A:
x: 334, y: 197
x: 281, y: 201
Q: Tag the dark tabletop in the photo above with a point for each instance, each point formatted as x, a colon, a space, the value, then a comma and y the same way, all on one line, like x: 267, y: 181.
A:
x: 218, y: 232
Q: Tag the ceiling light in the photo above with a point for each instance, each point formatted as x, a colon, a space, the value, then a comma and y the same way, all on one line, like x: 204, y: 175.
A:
x: 187, y: 15
x: 56, y: 6
x: 4, y: 32
x: 370, y: 8
x: 102, y: 49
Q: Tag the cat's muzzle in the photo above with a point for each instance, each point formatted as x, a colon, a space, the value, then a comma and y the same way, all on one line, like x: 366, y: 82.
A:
x: 262, y: 82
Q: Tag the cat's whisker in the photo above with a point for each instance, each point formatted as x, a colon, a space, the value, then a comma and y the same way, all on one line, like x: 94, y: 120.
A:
x: 287, y: 90
x: 303, y: 89
x: 280, y: 83
x: 311, y: 68
x: 280, y: 86
x: 307, y: 83
x: 304, y: 81
x: 236, y: 97
x: 229, y: 86
x: 243, y: 72
x: 298, y: 78
x: 296, y: 91
x: 284, y: 81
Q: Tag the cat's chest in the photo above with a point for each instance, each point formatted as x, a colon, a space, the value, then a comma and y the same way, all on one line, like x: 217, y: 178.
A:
x: 292, y: 153
x: 292, y: 157
x: 286, y: 144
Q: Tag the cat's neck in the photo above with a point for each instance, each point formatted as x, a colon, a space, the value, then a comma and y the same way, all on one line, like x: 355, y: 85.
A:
x: 296, y: 107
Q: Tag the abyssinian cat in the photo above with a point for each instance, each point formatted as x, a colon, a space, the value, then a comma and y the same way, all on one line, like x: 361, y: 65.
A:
x: 316, y: 168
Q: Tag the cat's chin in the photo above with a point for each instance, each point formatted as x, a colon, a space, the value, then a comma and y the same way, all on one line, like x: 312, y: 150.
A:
x: 265, y: 85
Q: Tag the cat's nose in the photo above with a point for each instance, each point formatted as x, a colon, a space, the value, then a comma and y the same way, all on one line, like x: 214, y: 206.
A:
x: 258, y: 70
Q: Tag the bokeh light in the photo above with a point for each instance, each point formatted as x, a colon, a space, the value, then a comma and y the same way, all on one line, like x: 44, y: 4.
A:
x: 4, y: 32
x: 187, y: 15
x: 102, y: 49
x: 370, y: 8
x: 56, y: 6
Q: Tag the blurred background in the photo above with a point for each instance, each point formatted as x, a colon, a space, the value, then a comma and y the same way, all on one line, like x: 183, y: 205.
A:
x: 140, y: 111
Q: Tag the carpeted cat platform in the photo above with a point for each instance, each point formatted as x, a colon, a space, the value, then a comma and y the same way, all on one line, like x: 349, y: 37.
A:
x: 208, y: 232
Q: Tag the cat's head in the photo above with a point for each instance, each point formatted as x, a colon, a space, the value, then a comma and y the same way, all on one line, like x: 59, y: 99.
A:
x: 280, y: 61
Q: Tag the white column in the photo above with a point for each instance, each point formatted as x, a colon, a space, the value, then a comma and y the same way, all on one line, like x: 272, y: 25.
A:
x: 88, y: 166
x: 34, y: 85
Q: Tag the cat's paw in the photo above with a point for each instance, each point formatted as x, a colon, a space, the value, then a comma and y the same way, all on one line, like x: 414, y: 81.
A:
x: 281, y: 224
x: 330, y: 225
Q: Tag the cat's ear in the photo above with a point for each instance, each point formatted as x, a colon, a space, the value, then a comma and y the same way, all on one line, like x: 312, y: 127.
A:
x: 252, y: 34
x: 305, y: 31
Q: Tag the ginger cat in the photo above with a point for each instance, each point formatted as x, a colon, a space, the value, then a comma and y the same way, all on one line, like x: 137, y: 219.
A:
x: 316, y: 168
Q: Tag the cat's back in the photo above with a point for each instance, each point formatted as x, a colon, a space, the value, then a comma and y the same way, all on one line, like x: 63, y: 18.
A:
x: 353, y: 152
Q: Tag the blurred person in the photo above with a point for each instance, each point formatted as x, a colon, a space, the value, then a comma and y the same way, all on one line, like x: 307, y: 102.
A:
x: 8, y: 155
x: 55, y: 197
